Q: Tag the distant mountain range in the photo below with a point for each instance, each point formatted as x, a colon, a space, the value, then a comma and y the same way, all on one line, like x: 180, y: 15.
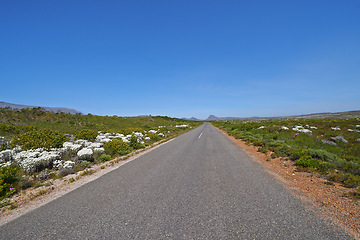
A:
x: 50, y: 109
x: 348, y: 114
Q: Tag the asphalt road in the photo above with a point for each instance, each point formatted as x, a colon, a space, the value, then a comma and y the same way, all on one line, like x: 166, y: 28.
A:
x: 198, y: 186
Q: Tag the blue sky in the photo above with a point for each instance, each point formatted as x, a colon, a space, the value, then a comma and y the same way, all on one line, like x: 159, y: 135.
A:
x: 182, y: 58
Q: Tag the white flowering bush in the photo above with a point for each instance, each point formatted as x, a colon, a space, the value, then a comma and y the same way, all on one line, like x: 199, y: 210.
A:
x: 99, y: 150
x: 60, y: 164
x: 182, y: 126
x: 72, y: 147
x: 302, y: 129
x: 83, y: 142
x: 85, y: 154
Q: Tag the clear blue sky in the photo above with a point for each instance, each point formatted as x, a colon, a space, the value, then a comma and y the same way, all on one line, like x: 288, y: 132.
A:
x: 182, y: 58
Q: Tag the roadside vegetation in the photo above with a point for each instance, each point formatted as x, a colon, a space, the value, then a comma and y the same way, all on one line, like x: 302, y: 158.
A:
x: 36, y: 145
x: 330, y: 147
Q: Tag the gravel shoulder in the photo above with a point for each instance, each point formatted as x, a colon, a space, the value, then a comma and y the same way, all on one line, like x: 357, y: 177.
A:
x: 328, y: 201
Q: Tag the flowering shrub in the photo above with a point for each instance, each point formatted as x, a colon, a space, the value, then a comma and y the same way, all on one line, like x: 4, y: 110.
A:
x: 35, y: 160
x: 87, y: 134
x: 60, y: 164
x: 85, y: 154
x: 116, y: 146
x: 8, y: 176
x: 71, y: 146
x: 39, y: 139
x: 135, y: 143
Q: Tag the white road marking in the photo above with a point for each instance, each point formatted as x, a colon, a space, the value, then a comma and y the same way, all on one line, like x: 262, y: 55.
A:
x: 200, y: 135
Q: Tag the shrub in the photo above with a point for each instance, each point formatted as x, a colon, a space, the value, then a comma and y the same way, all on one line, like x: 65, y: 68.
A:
x: 325, y: 166
x: 104, y: 158
x: 135, y: 144
x: 323, y: 155
x: 116, y: 146
x: 154, y: 137
x: 262, y: 150
x: 8, y: 176
x: 87, y: 134
x: 351, y: 180
x: 307, y: 162
x: 66, y: 171
x: 85, y: 164
x: 39, y: 139
x: 128, y: 131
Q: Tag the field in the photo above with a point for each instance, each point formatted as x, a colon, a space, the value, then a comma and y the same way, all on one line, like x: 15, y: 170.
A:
x: 330, y: 147
x: 36, y: 145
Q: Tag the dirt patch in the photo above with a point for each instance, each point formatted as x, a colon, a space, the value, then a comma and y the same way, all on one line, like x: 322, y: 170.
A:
x: 327, y: 200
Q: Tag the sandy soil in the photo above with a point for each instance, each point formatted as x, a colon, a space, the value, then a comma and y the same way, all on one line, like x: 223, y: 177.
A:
x: 326, y: 200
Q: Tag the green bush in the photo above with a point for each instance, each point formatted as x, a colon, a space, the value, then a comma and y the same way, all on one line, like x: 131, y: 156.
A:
x: 85, y: 164
x: 323, y: 155
x: 87, y: 134
x: 351, y: 180
x: 154, y: 137
x: 116, y: 146
x: 8, y: 176
x: 39, y: 139
x: 6, y: 129
x: 324, y: 167
x: 262, y: 150
x: 307, y: 162
x: 135, y: 144
x: 104, y: 158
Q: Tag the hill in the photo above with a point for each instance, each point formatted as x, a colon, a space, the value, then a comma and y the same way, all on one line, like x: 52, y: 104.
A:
x: 49, y: 109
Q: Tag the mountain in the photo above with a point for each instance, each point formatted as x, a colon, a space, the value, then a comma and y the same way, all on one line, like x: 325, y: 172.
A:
x: 191, y: 119
x: 50, y: 109
x: 212, y: 118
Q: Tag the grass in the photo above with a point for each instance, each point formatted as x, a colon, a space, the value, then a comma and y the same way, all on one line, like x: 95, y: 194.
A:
x: 309, y: 151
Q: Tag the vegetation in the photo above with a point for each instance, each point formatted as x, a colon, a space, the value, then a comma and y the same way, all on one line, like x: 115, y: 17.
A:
x: 46, y: 138
x: 87, y: 134
x: 328, y: 146
x: 8, y: 177
x: 36, y: 128
x: 117, y: 147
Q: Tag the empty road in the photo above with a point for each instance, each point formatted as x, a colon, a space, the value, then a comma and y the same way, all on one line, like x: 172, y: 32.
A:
x: 198, y: 186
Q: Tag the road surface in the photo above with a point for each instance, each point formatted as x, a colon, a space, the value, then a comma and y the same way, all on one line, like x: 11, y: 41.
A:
x: 198, y: 186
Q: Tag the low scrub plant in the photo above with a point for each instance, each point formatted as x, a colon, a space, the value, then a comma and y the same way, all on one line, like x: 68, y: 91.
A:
x: 154, y: 137
x: 307, y: 162
x: 135, y: 144
x: 87, y: 134
x: 8, y: 177
x: 104, y: 158
x: 116, y: 147
x: 85, y: 164
x: 39, y: 139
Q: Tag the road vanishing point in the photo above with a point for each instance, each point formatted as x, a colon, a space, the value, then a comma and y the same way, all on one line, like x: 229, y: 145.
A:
x: 201, y: 185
